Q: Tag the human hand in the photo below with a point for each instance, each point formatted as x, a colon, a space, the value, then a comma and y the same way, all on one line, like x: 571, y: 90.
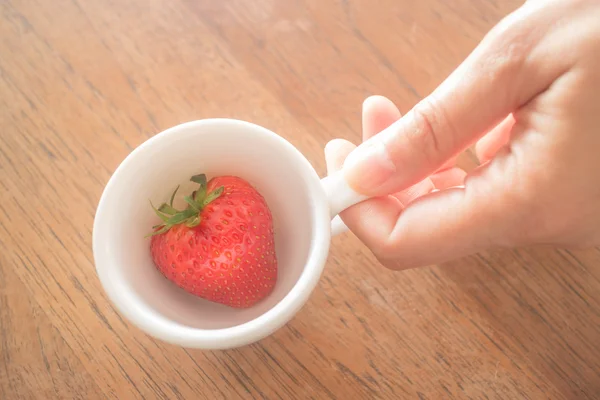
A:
x: 529, y: 98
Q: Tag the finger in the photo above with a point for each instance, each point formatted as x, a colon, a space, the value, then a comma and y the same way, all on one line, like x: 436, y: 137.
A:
x: 336, y: 152
x: 415, y: 191
x: 379, y: 212
x: 452, y: 177
x: 436, y: 228
x: 504, y: 72
x: 488, y: 145
x: 378, y: 113
x: 448, y: 164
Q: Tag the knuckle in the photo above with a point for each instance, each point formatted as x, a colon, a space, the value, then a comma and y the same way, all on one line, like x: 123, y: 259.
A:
x: 433, y: 131
x: 387, y: 263
x: 391, y: 256
x: 384, y: 252
x: 382, y: 255
x: 390, y: 263
x: 398, y: 264
x: 504, y: 64
x: 509, y: 45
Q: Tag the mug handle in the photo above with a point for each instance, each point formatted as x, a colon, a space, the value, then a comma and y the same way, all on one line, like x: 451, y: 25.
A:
x: 339, y: 196
x: 338, y: 226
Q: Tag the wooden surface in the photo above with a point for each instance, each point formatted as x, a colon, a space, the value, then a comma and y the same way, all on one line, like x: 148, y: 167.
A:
x: 84, y: 82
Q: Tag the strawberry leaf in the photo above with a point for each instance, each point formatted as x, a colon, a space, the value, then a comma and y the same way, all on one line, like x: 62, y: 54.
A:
x: 195, y: 221
x: 193, y: 203
x: 167, y: 209
x: 160, y: 214
x: 158, y: 232
x: 213, y: 195
x: 181, y: 216
x: 201, y: 191
x: 200, y: 179
x: 173, y: 196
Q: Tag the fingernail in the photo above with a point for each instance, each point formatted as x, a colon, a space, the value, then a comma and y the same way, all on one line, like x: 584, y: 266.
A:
x: 370, y: 101
x: 336, y: 152
x: 332, y: 146
x: 368, y: 167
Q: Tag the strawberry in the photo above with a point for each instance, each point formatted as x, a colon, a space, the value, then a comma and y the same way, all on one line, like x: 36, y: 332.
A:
x: 221, y: 247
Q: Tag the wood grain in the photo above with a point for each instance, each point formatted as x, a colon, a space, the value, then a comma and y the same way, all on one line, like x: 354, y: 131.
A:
x: 83, y: 83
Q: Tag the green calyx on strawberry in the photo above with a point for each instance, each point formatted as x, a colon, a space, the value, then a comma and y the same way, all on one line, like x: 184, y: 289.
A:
x: 191, y: 215
x: 221, y: 246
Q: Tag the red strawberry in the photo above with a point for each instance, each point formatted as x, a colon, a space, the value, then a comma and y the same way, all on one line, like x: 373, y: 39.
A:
x: 221, y: 247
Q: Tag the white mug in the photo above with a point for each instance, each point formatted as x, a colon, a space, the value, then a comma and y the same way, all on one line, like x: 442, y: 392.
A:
x: 303, y: 206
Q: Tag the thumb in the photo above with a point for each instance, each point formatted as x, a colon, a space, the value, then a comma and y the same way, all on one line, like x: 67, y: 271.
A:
x: 503, y: 73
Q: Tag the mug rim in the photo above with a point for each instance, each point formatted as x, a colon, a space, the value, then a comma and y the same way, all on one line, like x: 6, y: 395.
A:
x: 247, y: 332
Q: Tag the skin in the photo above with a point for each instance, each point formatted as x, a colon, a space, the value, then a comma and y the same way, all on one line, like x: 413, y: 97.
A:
x: 528, y: 98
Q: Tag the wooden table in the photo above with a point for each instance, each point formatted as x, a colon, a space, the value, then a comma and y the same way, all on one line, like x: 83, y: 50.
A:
x: 84, y: 82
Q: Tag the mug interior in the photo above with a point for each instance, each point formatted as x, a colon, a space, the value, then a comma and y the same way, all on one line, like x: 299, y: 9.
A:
x: 214, y: 147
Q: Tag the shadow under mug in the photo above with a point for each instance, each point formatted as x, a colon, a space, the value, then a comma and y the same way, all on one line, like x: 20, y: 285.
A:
x: 303, y: 206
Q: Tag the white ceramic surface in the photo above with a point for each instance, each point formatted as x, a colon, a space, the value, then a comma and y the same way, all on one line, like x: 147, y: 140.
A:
x: 302, y: 205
